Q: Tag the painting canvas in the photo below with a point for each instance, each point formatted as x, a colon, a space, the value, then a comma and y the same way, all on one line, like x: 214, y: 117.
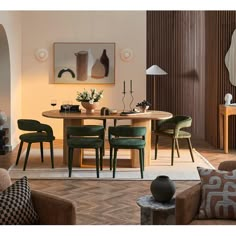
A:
x: 85, y: 63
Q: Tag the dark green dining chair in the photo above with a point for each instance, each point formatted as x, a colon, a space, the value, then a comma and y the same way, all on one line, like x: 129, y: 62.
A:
x: 127, y: 137
x: 172, y: 128
x: 85, y: 136
x: 39, y: 133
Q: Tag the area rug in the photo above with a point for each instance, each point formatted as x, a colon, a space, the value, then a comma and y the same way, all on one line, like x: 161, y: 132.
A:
x: 183, y: 168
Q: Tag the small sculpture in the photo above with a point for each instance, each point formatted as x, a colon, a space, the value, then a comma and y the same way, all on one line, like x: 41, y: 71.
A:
x: 3, y: 119
x: 228, y: 98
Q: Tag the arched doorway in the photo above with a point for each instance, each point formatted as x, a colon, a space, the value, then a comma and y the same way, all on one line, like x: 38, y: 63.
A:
x: 5, y: 80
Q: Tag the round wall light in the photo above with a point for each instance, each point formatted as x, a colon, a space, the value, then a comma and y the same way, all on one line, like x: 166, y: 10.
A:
x: 41, y: 54
x: 126, y: 54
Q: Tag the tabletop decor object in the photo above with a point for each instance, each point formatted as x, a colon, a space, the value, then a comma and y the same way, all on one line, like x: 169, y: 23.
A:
x: 90, y: 99
x: 162, y: 188
x: 143, y: 106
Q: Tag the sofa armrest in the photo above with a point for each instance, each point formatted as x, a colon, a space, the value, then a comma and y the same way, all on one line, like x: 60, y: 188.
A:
x: 227, y: 165
x: 53, y: 210
x: 187, y: 204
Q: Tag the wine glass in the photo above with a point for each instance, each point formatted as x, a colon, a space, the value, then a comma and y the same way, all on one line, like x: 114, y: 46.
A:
x: 65, y: 105
x: 53, y: 102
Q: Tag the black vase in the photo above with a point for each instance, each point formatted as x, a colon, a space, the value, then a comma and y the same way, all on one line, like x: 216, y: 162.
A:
x: 105, y: 61
x: 162, y: 188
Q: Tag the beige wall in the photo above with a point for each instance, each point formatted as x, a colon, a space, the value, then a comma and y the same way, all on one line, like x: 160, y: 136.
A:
x: 11, y: 22
x: 41, y: 29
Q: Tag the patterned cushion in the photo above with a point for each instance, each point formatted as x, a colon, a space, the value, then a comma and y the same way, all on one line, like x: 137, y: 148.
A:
x: 218, y: 194
x: 16, y: 207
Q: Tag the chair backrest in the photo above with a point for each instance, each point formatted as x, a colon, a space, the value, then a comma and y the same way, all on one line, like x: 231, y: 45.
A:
x: 34, y: 125
x: 28, y: 124
x: 127, y: 131
x: 176, y: 122
x: 85, y: 130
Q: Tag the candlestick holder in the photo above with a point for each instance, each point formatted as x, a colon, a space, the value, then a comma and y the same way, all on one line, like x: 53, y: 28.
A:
x: 132, y: 99
x: 123, y: 100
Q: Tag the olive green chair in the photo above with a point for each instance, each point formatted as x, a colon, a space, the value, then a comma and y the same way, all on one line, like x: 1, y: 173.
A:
x: 85, y: 136
x: 127, y: 137
x: 39, y: 133
x: 172, y: 128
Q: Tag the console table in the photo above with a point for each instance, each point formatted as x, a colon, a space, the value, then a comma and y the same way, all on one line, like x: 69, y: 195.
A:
x: 156, y: 213
x: 224, y: 113
x: 77, y: 119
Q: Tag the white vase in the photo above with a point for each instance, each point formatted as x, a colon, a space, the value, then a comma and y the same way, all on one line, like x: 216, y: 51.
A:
x: 3, y: 119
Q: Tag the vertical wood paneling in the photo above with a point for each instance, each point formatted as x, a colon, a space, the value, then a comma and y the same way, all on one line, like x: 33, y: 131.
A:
x: 219, y: 28
x: 175, y: 42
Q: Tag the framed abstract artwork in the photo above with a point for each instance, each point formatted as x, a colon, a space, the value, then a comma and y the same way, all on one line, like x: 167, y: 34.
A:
x: 84, y: 63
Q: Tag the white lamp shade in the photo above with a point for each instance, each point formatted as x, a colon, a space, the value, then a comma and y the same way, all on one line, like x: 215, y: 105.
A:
x: 155, y: 70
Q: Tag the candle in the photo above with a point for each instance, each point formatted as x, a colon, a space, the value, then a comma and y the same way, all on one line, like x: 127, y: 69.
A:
x: 124, y: 87
x: 131, y: 86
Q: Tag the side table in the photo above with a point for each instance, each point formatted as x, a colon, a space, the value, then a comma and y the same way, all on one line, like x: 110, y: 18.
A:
x: 156, y: 213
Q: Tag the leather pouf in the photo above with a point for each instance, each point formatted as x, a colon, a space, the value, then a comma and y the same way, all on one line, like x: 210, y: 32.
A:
x: 162, y: 188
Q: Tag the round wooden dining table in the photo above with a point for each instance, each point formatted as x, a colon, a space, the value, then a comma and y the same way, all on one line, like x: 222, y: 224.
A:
x: 78, y: 118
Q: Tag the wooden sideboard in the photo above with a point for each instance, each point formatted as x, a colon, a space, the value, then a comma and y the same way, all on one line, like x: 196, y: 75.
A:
x: 224, y: 113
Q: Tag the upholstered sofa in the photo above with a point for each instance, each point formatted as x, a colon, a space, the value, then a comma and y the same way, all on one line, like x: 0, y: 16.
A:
x: 52, y: 210
x: 188, y: 203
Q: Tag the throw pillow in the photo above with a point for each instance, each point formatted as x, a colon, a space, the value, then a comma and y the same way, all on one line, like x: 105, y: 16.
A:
x: 218, y: 194
x: 16, y: 207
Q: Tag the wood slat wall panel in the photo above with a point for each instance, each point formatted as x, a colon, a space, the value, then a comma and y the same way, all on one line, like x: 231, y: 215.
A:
x: 174, y: 42
x: 219, y: 28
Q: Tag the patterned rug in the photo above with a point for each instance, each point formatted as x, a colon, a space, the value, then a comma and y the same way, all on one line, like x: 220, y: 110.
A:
x: 183, y: 168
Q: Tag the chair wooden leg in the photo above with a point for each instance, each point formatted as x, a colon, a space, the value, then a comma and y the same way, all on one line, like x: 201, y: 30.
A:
x: 141, y: 162
x: 41, y: 151
x: 177, y: 147
x: 19, y: 152
x: 111, y: 150
x: 70, y: 160
x: 97, y: 162
x: 52, y: 155
x: 172, y: 151
x: 143, y: 157
x: 101, y: 158
x: 156, y: 146
x: 114, y: 162
x: 27, y: 156
x: 190, y: 149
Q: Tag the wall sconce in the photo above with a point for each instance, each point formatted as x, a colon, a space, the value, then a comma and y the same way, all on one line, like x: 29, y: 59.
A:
x: 41, y: 54
x: 126, y: 54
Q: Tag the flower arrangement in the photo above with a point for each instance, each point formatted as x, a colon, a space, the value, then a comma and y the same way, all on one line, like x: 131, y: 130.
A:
x: 89, y: 96
x: 144, y: 103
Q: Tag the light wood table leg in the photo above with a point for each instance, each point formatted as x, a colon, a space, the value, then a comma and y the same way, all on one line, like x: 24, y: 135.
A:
x: 147, y: 151
x: 226, y: 127
x: 221, y: 123
x: 77, y: 157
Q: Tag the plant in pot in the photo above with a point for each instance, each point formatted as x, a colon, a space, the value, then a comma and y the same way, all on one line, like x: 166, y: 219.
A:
x: 143, y: 106
x: 90, y: 99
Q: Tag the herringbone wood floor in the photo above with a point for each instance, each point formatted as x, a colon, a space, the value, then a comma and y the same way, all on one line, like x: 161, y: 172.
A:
x: 111, y: 202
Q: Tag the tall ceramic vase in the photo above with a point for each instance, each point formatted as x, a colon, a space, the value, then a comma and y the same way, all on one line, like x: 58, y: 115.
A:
x: 162, y: 188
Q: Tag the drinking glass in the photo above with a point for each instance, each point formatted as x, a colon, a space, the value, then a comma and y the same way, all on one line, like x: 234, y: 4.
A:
x: 65, y: 105
x: 53, y: 102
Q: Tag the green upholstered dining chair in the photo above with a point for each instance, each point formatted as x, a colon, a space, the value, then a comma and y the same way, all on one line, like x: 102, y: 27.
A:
x: 85, y: 136
x: 172, y: 128
x: 127, y: 137
x: 39, y: 133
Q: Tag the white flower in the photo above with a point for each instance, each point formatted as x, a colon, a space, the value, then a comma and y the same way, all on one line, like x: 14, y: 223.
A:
x: 91, y: 97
